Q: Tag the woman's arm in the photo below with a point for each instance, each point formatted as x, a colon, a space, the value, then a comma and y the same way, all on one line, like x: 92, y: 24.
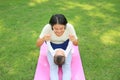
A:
x: 75, y: 42
x: 73, y: 39
x: 72, y: 36
x: 44, y: 36
x: 40, y: 41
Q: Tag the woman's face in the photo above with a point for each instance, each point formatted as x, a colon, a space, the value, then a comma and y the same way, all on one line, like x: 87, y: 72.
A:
x: 59, y: 29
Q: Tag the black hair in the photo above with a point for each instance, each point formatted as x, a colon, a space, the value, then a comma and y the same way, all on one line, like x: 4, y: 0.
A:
x: 57, y: 19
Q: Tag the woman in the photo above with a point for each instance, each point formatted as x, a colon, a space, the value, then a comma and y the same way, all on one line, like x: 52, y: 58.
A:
x: 58, y: 32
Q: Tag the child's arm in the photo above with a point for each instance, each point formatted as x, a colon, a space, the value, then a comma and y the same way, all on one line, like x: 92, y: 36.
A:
x: 50, y: 48
x: 68, y: 49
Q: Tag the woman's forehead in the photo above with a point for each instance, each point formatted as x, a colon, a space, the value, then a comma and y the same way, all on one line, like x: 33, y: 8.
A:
x: 58, y: 26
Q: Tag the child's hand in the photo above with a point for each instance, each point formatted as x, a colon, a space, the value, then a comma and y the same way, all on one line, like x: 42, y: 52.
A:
x: 47, y: 37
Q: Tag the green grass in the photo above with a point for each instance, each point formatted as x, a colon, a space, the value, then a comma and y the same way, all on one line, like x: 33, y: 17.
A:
x: 97, y: 24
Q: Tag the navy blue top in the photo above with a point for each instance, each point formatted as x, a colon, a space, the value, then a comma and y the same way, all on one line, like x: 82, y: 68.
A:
x: 62, y: 45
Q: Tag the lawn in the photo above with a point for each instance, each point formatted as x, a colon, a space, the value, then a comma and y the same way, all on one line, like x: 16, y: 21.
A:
x: 97, y: 24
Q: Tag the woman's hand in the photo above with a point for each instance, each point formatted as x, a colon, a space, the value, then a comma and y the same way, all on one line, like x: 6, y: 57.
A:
x: 47, y: 37
x: 73, y: 39
x: 40, y: 41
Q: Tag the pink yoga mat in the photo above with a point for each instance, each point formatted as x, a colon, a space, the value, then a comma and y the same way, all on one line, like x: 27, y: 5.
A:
x: 42, y: 69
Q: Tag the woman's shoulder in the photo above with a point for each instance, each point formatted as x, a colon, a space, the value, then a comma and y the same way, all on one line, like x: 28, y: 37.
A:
x: 47, y: 26
x: 69, y: 26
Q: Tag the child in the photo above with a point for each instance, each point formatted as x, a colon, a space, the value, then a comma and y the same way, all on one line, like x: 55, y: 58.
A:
x: 58, y: 32
x: 58, y: 52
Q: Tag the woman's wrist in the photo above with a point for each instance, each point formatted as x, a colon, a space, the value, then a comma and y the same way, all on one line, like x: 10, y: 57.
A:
x: 75, y: 42
x: 43, y: 39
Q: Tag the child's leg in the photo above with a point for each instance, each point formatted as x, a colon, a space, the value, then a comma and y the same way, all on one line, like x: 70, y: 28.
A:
x: 53, y: 67
x: 66, y: 68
